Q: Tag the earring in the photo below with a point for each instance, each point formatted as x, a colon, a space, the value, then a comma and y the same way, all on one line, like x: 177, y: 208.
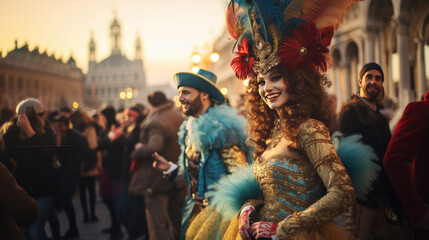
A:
x: 261, y: 106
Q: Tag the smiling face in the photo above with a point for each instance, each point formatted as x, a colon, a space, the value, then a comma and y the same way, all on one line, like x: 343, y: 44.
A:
x: 191, y: 100
x: 272, y: 89
x: 370, y: 85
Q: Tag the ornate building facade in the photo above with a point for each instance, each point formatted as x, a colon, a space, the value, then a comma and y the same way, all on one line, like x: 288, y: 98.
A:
x: 116, y: 80
x: 393, y: 33
x: 25, y: 73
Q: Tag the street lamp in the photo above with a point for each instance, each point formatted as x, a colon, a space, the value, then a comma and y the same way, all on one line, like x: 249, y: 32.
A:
x: 75, y: 105
x: 195, y: 69
x: 214, y: 57
x: 196, y: 57
x: 203, y: 60
x: 127, y: 94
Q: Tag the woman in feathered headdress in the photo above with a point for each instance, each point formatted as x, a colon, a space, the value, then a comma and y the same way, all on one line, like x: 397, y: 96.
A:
x: 283, y: 52
x: 300, y: 182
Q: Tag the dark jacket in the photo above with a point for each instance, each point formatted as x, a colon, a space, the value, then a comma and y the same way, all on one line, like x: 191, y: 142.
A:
x: 356, y: 117
x: 158, y: 134
x: 34, y: 158
x: 74, y: 148
x: 113, y: 156
x: 17, y: 209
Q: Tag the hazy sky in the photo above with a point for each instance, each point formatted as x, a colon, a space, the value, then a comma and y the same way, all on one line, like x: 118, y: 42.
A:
x: 170, y: 29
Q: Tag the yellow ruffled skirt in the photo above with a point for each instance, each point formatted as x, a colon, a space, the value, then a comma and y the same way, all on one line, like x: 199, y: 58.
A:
x: 210, y: 225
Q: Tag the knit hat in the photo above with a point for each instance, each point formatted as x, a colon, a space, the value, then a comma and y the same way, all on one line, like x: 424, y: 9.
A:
x: 156, y: 98
x: 371, y: 66
x: 30, y: 102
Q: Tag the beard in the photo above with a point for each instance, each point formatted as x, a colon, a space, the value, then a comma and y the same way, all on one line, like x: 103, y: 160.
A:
x: 195, y: 106
x: 372, y: 95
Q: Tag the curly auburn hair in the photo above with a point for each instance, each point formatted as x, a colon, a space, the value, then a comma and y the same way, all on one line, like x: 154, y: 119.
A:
x: 307, y: 99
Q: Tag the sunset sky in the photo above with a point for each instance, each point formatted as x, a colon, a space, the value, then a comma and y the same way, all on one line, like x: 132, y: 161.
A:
x: 170, y: 30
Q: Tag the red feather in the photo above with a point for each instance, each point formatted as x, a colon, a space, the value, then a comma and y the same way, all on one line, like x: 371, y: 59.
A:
x: 307, y: 47
x: 242, y: 63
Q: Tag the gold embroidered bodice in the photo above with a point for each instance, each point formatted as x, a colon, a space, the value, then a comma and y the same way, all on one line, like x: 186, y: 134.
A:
x: 288, y: 184
x: 302, y: 191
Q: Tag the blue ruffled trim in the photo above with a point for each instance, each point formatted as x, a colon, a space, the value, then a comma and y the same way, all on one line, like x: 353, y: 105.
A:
x: 360, y: 162
x: 233, y: 190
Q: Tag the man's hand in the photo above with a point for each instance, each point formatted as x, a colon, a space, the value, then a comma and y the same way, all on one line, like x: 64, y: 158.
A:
x: 264, y: 230
x: 160, y: 162
x: 245, y: 222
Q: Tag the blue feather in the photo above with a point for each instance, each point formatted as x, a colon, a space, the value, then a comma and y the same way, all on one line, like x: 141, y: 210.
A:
x: 233, y: 190
x: 284, y: 4
x: 269, y: 14
x: 360, y: 162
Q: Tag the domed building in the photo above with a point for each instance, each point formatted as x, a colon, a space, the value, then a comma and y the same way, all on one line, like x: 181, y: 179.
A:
x: 116, y: 80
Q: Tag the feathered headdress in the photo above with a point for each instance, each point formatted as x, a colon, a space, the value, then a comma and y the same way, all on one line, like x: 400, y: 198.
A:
x: 292, y: 33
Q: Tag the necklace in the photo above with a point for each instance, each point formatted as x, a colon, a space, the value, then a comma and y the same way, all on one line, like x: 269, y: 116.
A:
x: 276, y: 136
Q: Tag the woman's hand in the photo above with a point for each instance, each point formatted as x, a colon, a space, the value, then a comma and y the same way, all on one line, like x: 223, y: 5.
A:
x: 160, y: 162
x: 264, y: 230
x: 245, y: 221
x: 24, y: 124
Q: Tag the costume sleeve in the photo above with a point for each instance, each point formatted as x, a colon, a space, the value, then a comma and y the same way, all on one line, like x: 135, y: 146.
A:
x: 155, y: 142
x: 14, y: 201
x: 314, y: 140
x: 233, y: 157
x: 397, y: 162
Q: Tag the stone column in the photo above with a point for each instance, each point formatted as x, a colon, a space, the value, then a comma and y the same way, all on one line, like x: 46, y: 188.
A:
x: 338, y: 92
x: 354, y: 76
x: 346, y: 67
x: 370, y: 43
x: 421, y: 71
x: 404, y: 62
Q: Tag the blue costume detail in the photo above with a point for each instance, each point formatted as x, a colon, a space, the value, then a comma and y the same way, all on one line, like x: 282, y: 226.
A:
x: 219, y: 127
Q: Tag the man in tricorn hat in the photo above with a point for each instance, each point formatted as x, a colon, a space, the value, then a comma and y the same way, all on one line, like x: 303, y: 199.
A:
x: 212, y: 140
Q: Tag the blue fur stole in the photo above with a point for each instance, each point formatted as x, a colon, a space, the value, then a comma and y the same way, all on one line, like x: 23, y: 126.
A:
x: 232, y: 191
x: 359, y: 160
x: 219, y: 127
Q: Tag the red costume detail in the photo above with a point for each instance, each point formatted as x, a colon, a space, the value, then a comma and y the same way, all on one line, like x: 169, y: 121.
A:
x: 242, y: 63
x: 306, y: 36
x: 406, y: 160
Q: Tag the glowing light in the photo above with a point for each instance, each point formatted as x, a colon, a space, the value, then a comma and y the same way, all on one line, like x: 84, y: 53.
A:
x: 214, y: 57
x: 224, y: 91
x: 75, y: 105
x: 196, y: 58
x: 129, y: 95
x: 195, y: 69
x: 122, y: 95
x: 246, y: 82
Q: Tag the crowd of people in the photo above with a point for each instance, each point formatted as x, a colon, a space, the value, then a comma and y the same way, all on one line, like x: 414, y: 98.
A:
x: 274, y: 170
x: 161, y: 170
